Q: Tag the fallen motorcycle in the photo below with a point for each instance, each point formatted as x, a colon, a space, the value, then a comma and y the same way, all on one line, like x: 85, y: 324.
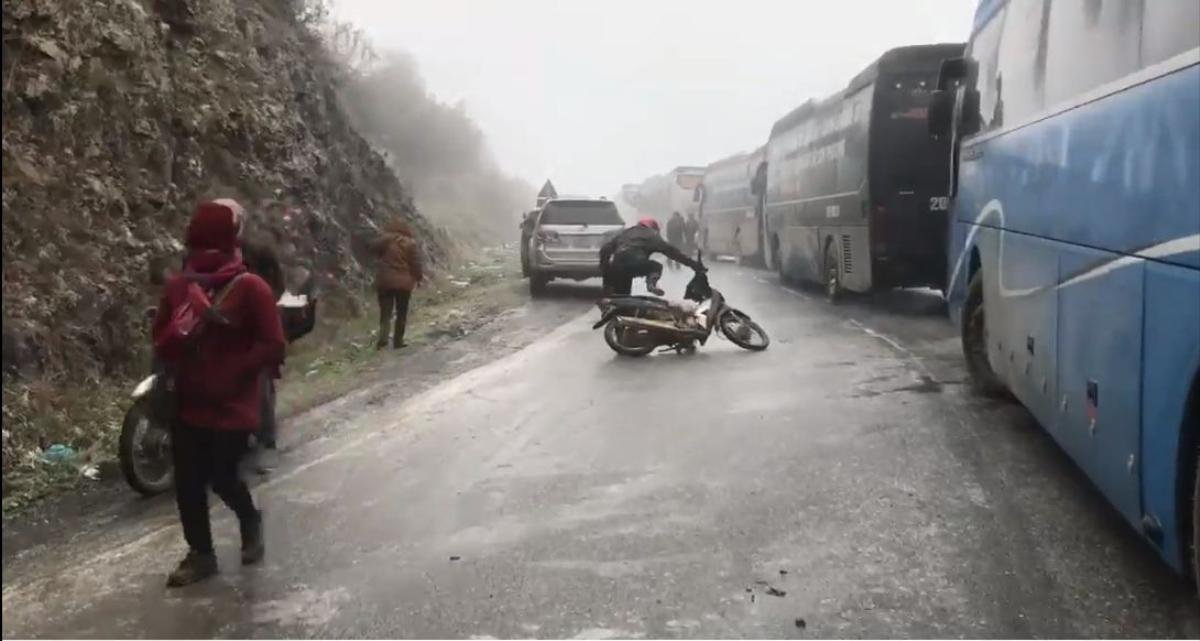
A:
x: 637, y: 325
x: 144, y: 448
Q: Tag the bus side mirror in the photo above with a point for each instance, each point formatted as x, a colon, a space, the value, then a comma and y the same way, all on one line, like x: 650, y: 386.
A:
x: 955, y: 73
x: 941, y: 114
x: 972, y: 122
x: 952, y: 70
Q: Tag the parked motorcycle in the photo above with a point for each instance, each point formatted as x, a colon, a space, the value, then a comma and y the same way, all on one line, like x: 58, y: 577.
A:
x: 637, y: 325
x: 144, y: 448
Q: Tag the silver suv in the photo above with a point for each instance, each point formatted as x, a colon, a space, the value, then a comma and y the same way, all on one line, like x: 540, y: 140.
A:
x: 566, y: 239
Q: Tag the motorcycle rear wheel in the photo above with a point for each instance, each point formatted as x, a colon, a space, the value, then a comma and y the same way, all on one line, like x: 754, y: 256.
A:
x: 625, y: 341
x: 145, y: 452
x: 744, y: 332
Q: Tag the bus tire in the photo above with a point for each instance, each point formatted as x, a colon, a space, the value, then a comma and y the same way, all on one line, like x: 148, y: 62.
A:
x: 833, y: 277
x: 975, y: 341
x: 1195, y: 542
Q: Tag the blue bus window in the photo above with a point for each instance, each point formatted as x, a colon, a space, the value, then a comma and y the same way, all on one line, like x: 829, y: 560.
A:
x: 1092, y: 42
x: 1169, y: 29
x: 985, y: 51
x: 1022, y: 62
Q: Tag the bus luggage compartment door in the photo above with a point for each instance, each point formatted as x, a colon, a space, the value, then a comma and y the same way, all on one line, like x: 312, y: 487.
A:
x: 1100, y: 364
x: 908, y: 241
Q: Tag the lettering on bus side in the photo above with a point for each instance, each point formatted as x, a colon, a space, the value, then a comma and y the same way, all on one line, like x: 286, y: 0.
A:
x: 833, y: 211
x: 939, y: 203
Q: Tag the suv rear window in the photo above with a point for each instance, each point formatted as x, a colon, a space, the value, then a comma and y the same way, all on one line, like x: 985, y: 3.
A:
x: 581, y: 213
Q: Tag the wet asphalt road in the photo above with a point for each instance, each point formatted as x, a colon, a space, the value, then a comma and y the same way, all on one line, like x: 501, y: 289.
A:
x: 843, y: 480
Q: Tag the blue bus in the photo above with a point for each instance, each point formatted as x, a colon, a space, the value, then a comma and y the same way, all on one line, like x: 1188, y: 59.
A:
x: 1074, y: 271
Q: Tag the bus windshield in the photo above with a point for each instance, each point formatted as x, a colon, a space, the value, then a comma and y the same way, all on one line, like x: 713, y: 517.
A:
x: 906, y: 158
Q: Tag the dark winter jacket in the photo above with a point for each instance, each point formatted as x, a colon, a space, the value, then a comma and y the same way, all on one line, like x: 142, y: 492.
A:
x: 400, y: 267
x: 638, y: 243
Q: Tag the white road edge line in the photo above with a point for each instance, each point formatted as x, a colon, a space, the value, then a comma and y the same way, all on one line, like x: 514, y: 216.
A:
x: 894, y: 344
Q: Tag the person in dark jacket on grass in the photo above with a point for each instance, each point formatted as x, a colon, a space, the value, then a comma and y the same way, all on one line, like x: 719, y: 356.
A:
x: 217, y: 382
x: 627, y: 256
x: 400, y: 271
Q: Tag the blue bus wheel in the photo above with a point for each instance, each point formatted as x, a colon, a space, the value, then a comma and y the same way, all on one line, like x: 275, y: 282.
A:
x: 975, y: 342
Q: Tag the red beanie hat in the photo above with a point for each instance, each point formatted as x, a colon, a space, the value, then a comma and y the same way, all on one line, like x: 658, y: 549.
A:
x: 215, y: 226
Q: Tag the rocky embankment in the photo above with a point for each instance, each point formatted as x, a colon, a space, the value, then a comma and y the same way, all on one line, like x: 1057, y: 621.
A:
x: 118, y: 116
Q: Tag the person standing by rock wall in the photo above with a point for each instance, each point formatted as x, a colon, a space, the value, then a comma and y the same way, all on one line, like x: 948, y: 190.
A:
x: 218, y: 330
x: 399, y: 272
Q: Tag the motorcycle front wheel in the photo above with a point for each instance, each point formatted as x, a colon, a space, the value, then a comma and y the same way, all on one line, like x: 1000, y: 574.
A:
x: 145, y: 451
x: 744, y: 332
x: 627, y: 341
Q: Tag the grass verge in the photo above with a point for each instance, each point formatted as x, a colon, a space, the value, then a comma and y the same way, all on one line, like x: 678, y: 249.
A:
x: 336, y: 358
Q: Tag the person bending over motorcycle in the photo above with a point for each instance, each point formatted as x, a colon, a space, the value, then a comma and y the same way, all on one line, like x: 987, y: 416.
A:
x: 627, y: 256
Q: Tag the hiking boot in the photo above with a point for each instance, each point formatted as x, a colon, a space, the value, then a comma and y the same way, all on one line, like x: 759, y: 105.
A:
x: 253, y: 545
x: 194, y: 567
x: 652, y: 286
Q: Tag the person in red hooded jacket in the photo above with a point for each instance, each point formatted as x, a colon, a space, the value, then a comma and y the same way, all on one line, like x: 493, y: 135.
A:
x: 217, y: 404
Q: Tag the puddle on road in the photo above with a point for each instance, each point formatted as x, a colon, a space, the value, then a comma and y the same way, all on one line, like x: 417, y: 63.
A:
x: 925, y: 385
x: 305, y: 608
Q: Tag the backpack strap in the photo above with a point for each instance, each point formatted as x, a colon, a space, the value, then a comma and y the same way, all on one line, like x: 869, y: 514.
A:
x: 224, y: 291
x: 214, y: 310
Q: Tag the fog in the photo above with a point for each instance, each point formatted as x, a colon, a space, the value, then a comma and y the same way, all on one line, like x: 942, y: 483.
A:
x: 596, y: 94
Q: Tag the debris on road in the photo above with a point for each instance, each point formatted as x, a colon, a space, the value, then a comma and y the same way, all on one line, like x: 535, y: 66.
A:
x: 774, y: 591
x: 58, y: 453
x: 455, y: 558
x: 801, y: 623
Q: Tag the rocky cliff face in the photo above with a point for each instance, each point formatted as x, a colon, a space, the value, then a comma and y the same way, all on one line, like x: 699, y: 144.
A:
x: 118, y: 116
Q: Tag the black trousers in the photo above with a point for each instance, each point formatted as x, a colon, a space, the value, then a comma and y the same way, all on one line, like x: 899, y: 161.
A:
x: 389, y: 300
x: 267, y: 425
x: 618, y: 278
x: 204, y: 458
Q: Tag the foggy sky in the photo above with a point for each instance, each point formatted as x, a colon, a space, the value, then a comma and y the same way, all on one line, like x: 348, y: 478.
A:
x: 595, y: 93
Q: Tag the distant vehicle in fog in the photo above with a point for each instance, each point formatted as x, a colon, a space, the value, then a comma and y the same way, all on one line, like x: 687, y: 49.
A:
x: 856, y: 190
x: 731, y: 207
x: 1075, y: 245
x: 565, y: 239
x: 675, y: 191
